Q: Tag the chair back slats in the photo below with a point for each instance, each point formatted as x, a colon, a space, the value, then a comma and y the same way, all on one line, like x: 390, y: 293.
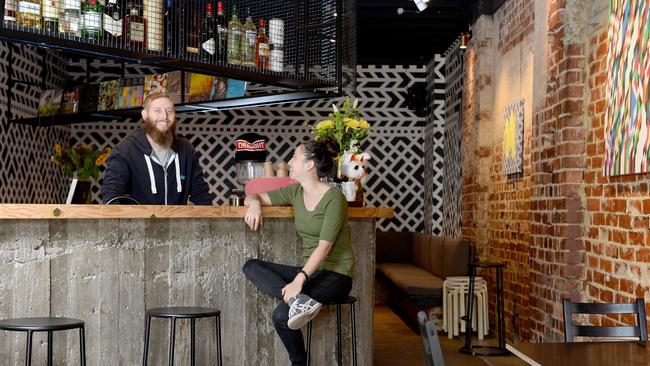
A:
x: 430, y: 342
x: 606, y: 331
x: 570, y: 330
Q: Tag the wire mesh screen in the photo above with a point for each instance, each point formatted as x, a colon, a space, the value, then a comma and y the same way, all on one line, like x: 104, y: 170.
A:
x: 294, y: 39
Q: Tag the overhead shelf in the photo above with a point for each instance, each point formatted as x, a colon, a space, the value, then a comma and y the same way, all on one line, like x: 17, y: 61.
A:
x: 309, y: 42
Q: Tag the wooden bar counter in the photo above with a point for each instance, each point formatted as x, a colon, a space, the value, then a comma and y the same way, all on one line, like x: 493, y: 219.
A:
x: 107, y: 264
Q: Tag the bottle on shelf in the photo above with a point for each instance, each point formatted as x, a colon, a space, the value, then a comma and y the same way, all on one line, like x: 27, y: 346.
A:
x: 71, y: 17
x: 222, y: 30
x: 50, y: 16
x: 91, y: 13
x: 134, y: 27
x: 262, y: 53
x: 112, y: 22
x: 248, y: 41
x: 207, y: 35
x: 153, y: 12
x: 10, y: 11
x: 234, y: 38
x: 192, y: 28
x: 29, y: 13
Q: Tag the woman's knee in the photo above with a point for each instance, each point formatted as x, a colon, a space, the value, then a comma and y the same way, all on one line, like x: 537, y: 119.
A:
x: 250, y: 266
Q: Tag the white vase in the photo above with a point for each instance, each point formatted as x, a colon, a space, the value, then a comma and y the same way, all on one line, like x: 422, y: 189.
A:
x: 349, y: 190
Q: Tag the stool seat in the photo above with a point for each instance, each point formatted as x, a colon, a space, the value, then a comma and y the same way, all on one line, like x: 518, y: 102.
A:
x: 349, y: 300
x: 183, y: 312
x: 43, y: 324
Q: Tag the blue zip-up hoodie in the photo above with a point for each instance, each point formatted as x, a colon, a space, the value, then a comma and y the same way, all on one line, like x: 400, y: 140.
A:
x: 131, y: 171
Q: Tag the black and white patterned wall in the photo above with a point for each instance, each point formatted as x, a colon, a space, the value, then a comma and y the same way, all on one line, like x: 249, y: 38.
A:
x: 453, y: 139
x: 396, y: 144
x: 434, y: 147
x: 26, y: 173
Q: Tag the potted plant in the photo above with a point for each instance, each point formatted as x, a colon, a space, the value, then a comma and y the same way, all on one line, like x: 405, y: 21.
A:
x: 80, y: 163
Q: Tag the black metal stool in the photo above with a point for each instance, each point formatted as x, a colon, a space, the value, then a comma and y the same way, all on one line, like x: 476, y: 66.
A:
x: 174, y: 313
x: 49, y: 325
x: 339, y: 344
x: 481, y: 350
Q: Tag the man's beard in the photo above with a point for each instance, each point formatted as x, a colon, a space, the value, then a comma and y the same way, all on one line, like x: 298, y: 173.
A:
x: 164, y: 139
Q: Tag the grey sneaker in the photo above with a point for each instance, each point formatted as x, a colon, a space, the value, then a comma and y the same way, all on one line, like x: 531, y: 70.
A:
x: 302, y: 309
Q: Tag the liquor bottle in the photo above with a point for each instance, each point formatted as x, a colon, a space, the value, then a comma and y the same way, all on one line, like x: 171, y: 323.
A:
x: 50, y: 16
x: 112, y: 22
x: 262, y: 53
x: 134, y: 27
x: 153, y: 13
x: 10, y: 11
x: 248, y: 41
x: 192, y: 31
x: 207, y: 35
x: 91, y: 13
x: 29, y: 13
x: 234, y: 38
x: 222, y: 29
x: 71, y: 17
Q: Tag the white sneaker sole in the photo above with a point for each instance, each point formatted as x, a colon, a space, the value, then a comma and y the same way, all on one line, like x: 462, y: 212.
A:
x: 299, y: 321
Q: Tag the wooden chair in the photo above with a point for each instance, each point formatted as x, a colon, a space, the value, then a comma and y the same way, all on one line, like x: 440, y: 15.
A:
x: 430, y: 342
x: 570, y: 330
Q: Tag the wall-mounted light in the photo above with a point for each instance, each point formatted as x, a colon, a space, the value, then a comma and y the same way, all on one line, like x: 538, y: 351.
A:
x: 464, y: 40
x: 421, y: 4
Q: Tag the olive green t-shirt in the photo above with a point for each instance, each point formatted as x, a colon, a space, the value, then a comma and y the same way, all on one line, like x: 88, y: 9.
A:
x: 328, y: 221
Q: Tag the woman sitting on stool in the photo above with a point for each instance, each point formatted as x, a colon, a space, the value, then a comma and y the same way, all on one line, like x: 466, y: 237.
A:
x: 321, y: 219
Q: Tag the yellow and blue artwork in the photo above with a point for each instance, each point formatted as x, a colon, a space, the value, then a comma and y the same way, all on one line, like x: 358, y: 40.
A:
x: 513, y: 138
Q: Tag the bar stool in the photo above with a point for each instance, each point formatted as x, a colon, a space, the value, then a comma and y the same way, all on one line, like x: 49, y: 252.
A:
x: 499, y: 350
x: 49, y: 325
x: 174, y: 313
x: 339, y: 344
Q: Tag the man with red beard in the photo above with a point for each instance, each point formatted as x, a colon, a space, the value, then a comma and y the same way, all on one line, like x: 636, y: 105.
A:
x: 154, y: 165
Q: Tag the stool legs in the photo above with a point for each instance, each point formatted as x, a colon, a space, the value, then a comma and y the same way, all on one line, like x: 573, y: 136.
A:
x: 49, y: 348
x: 218, y: 317
x: 147, y: 331
x: 308, y: 342
x: 192, y: 340
x: 82, y: 345
x: 172, y: 334
x: 28, y: 350
x: 339, y: 360
x: 354, y: 334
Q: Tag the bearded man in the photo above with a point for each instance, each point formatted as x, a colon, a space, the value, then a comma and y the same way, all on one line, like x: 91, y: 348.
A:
x: 154, y: 165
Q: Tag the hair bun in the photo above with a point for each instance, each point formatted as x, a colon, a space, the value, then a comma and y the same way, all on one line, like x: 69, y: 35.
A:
x: 330, y: 147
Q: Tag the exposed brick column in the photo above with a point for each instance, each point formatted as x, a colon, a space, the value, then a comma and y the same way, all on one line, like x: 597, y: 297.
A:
x: 557, y: 248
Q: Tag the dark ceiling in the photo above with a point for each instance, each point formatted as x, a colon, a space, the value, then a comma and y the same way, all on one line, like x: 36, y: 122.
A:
x: 385, y: 37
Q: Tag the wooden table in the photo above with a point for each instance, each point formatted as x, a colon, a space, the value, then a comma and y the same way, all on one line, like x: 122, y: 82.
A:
x: 583, y: 353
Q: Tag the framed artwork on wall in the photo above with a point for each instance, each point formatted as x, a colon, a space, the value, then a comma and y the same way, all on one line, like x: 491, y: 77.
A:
x: 627, y: 129
x: 513, y: 138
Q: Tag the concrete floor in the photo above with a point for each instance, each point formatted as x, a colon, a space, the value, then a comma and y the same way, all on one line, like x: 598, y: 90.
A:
x: 397, y: 345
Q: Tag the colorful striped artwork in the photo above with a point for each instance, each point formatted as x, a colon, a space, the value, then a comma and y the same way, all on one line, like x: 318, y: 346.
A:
x: 513, y: 138
x: 627, y: 135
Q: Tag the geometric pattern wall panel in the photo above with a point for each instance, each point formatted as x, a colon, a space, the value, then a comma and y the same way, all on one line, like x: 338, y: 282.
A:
x: 395, y: 173
x: 434, y: 145
x: 627, y: 124
x: 513, y: 138
x: 26, y: 173
x: 453, y: 132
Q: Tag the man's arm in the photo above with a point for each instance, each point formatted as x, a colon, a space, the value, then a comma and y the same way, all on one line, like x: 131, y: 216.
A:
x: 116, y: 177
x: 199, y: 190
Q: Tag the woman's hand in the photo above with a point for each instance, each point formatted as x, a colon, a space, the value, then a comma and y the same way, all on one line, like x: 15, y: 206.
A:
x: 253, y: 216
x: 292, y: 289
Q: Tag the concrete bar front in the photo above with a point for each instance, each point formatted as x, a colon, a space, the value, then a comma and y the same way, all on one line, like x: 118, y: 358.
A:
x: 107, y: 264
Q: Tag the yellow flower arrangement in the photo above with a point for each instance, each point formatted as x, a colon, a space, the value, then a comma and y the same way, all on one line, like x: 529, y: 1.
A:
x: 344, y: 126
x: 82, y: 160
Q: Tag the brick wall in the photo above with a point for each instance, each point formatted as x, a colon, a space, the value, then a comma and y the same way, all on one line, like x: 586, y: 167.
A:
x: 564, y: 229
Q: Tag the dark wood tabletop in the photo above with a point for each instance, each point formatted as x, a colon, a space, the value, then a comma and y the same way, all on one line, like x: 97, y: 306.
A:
x: 583, y: 353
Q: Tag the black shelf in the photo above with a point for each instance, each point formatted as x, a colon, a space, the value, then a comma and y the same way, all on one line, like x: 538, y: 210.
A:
x: 79, y: 46
x: 123, y: 114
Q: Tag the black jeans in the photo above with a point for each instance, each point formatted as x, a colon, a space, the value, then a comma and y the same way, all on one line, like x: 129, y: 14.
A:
x: 323, y: 286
